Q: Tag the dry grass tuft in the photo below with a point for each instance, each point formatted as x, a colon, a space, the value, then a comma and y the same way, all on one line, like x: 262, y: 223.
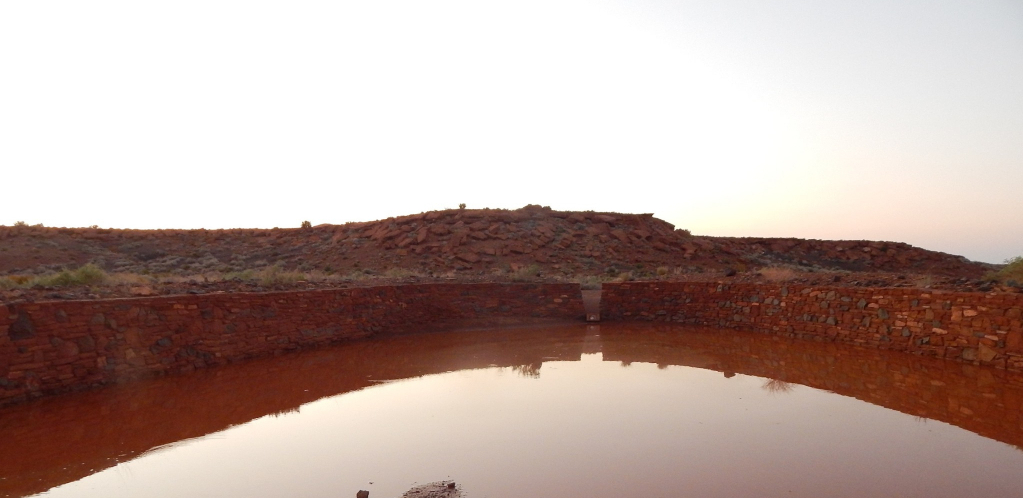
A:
x: 277, y: 275
x: 778, y: 274
x: 777, y: 386
x: 624, y: 276
x: 590, y: 282
x: 130, y: 279
x: 525, y: 274
x: 402, y: 273
x: 923, y: 281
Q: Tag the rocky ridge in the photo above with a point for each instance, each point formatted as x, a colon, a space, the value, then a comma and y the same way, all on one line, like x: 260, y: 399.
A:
x: 459, y: 240
x: 475, y: 244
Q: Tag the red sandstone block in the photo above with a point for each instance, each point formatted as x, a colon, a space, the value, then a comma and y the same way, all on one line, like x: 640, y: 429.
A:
x: 1014, y: 341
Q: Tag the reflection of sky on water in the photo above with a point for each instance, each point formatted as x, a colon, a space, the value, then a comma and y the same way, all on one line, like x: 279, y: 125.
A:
x: 576, y: 428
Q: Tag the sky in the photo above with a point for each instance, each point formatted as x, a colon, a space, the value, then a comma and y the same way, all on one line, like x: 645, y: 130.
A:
x: 882, y: 120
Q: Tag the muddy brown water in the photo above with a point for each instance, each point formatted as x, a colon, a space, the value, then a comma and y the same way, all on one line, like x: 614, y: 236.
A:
x: 582, y: 410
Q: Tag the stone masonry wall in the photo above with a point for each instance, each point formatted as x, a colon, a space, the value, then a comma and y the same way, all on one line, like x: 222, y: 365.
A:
x: 52, y: 347
x: 979, y: 328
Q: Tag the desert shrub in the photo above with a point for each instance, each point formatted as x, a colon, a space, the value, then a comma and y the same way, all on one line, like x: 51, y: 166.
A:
x: 307, y: 224
x: 590, y: 282
x: 1012, y: 272
x: 355, y: 275
x: 89, y: 274
x: 778, y: 274
x: 525, y: 273
x: 276, y: 275
x: 663, y: 271
x: 461, y: 206
x: 244, y: 275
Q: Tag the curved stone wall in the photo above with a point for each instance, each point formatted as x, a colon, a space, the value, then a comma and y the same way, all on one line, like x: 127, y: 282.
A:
x: 974, y: 327
x: 58, y: 346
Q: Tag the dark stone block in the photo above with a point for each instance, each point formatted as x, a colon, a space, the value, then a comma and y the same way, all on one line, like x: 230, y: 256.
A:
x: 22, y: 328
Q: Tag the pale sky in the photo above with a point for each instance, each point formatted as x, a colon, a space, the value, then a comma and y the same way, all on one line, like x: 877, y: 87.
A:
x: 884, y: 120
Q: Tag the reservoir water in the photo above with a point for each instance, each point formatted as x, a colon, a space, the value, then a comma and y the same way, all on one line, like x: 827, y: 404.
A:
x: 605, y: 410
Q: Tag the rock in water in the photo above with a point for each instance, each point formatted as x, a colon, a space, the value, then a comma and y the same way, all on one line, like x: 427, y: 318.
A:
x: 439, y: 489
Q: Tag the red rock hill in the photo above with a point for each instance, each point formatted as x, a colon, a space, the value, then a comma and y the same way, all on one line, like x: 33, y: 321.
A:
x: 461, y: 242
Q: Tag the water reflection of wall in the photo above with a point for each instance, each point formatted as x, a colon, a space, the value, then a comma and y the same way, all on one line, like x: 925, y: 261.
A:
x: 53, y: 441
x: 979, y: 399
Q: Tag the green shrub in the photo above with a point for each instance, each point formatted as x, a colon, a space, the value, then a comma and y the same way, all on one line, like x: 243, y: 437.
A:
x: 1012, y: 272
x: 89, y: 274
